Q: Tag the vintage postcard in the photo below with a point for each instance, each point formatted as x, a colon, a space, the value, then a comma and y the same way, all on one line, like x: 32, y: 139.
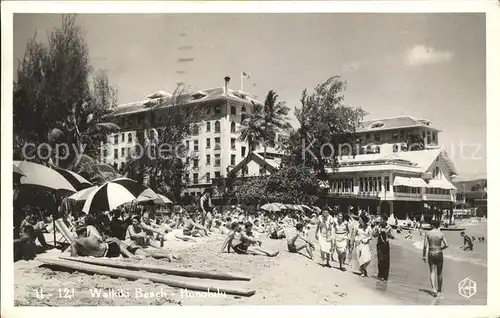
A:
x: 248, y: 154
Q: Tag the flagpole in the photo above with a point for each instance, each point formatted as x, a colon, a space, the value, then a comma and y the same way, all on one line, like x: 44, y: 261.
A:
x: 241, y: 81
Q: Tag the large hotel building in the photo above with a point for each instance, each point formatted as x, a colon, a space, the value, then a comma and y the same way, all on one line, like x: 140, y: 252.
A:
x: 389, y: 176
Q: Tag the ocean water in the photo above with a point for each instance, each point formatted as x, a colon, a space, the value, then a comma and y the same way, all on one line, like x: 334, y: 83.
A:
x: 409, y: 276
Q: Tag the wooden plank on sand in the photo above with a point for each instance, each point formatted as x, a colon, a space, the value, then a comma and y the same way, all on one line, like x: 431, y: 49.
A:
x: 186, y: 272
x: 156, y: 278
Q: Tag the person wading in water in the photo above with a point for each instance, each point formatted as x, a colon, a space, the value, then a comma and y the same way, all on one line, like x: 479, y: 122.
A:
x: 434, y: 244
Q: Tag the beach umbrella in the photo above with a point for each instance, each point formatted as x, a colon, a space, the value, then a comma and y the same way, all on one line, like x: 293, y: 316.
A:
x: 76, y: 180
x: 18, y: 171
x: 41, y: 176
x: 306, y: 207
x: 316, y: 209
x: 273, y: 207
x: 159, y: 199
x: 112, y: 194
x: 83, y: 195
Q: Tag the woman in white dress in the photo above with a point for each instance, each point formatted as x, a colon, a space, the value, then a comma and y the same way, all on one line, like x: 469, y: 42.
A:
x: 363, y: 237
x: 324, y: 236
x: 341, y: 228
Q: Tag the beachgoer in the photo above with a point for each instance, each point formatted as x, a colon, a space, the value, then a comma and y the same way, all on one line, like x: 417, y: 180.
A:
x: 468, y: 245
x: 341, y: 239
x: 383, y: 233
x: 324, y: 236
x: 205, y: 206
x: 408, y: 235
x: 230, y: 241
x: 192, y: 228
x: 250, y: 245
x: 92, y: 245
x: 353, y: 225
x: 291, y: 240
x: 434, y: 244
x: 363, y: 238
x: 25, y: 247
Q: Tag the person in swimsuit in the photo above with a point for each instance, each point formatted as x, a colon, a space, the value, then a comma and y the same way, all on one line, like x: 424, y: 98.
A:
x: 192, y: 228
x: 363, y: 237
x: 341, y: 228
x: 205, y: 207
x: 250, y: 245
x: 93, y: 245
x: 324, y: 236
x: 383, y: 234
x: 291, y: 240
x: 468, y: 245
x: 434, y: 244
x: 232, y: 239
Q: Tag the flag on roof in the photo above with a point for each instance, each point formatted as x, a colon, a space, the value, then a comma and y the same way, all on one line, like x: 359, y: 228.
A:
x: 246, y: 75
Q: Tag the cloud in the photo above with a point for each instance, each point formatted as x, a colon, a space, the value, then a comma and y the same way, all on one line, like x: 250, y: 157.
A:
x: 422, y: 54
x: 351, y: 67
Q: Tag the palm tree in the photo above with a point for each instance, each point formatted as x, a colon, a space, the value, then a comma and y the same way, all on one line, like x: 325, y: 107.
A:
x: 253, y: 130
x: 275, y: 115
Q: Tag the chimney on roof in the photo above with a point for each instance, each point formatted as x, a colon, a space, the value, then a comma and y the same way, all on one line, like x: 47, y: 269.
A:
x: 226, y: 82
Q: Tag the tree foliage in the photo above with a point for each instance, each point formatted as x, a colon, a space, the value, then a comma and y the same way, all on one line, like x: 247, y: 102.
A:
x: 325, y: 125
x: 290, y: 184
x: 59, y: 98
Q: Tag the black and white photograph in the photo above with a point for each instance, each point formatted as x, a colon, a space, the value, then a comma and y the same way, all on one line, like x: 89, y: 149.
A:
x: 235, y: 158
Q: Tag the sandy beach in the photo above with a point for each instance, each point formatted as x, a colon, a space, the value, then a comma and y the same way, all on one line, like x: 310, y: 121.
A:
x: 288, y: 279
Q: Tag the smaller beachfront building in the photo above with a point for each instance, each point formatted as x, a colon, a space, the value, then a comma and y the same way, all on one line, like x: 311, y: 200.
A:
x: 406, y: 184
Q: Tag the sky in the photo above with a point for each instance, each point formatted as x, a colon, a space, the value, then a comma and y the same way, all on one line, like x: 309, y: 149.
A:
x: 426, y: 65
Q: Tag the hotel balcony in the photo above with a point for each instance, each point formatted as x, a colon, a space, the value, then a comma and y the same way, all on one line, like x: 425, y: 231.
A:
x: 408, y: 196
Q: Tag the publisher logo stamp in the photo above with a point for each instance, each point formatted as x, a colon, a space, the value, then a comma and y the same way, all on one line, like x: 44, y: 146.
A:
x: 467, y: 288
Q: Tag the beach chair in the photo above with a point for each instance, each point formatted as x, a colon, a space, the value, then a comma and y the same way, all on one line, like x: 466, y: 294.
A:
x: 65, y: 232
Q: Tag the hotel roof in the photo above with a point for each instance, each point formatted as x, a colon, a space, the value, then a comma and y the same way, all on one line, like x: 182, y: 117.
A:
x: 394, y: 123
x: 164, y: 100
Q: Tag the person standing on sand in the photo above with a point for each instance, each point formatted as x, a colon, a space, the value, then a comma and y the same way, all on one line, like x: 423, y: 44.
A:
x: 324, y: 236
x: 383, y: 233
x: 341, y: 239
x: 363, y: 237
x: 434, y: 244
x: 205, y: 207
x: 353, y: 225
x: 468, y: 245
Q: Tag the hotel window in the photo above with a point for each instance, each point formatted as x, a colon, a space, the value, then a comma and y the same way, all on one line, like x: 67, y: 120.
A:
x: 129, y: 136
x: 217, y: 159
x: 207, y: 177
x: 395, y: 136
x: 233, y: 160
x: 428, y: 137
x: 196, y: 145
x: 208, y: 160
x: 116, y: 139
x: 123, y: 152
x: 217, y: 174
x: 187, y: 160
x: 217, y: 143
x: 187, y: 177
x: 233, y: 110
x: 121, y: 165
x: 195, y: 178
x: 217, y: 126
x: 243, y: 117
x: 377, y: 137
x: 195, y: 163
x: 217, y: 110
x: 423, y: 134
x: 208, y: 143
x: 123, y: 137
x: 361, y: 184
x: 115, y: 165
x: 387, y: 184
x: 370, y: 184
x: 402, y: 134
x: 379, y: 184
x: 368, y: 136
x: 116, y: 154
x: 243, y: 151
x: 187, y: 144
x: 352, y: 185
x: 433, y: 136
x: 208, y: 126
x: 105, y: 153
x: 233, y: 143
x: 233, y: 127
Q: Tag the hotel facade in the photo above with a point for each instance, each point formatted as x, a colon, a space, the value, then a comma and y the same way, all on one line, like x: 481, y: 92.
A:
x: 214, y: 147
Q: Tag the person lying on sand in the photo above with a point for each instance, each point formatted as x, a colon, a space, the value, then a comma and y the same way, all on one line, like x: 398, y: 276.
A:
x: 95, y: 246
x: 250, y: 245
x: 291, y: 239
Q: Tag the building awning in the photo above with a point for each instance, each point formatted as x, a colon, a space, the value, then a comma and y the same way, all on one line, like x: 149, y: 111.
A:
x: 441, y: 184
x: 409, y: 182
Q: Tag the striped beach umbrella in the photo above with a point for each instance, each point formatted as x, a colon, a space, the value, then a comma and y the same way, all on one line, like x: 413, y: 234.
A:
x: 41, y: 176
x: 84, y: 194
x: 76, y: 180
x: 273, y: 207
x: 112, y: 194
